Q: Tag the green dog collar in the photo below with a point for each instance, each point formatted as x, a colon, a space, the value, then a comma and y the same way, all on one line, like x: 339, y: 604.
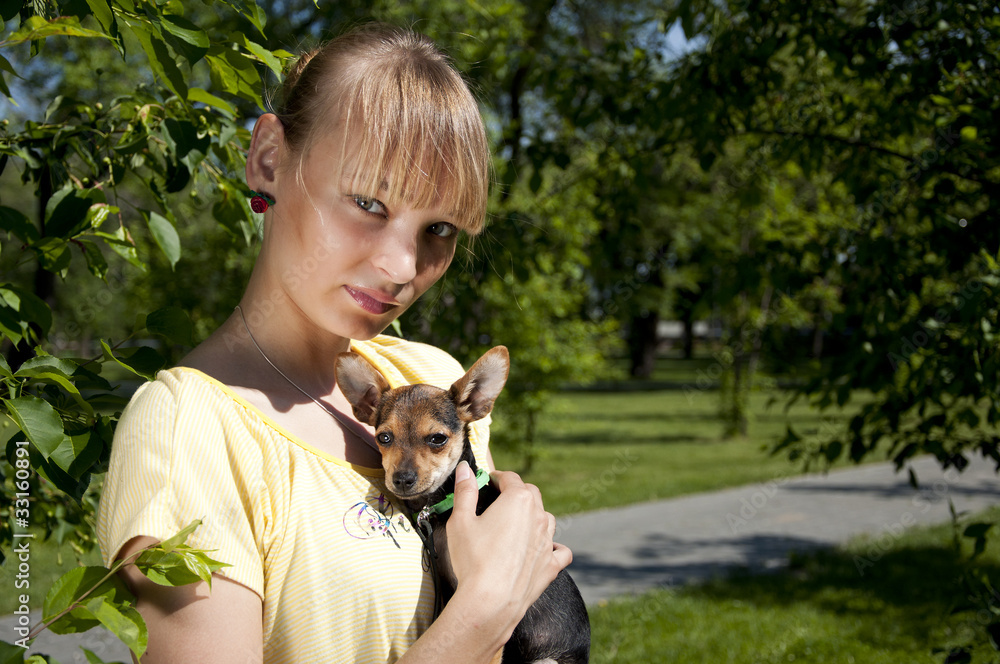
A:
x: 482, y: 479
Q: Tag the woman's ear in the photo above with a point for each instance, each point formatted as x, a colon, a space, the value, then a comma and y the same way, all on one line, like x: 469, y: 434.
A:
x: 266, y: 147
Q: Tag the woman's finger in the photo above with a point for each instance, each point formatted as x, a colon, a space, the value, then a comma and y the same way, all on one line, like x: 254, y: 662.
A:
x: 466, y: 491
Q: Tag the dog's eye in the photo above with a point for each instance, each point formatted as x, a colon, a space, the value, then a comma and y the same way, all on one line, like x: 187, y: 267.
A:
x: 384, y: 438
x: 437, y: 439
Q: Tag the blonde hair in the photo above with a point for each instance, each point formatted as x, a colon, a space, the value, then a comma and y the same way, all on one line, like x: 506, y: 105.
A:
x: 406, y: 114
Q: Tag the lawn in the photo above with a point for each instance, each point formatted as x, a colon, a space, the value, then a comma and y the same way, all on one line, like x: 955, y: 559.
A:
x: 822, y: 609
x: 609, y: 448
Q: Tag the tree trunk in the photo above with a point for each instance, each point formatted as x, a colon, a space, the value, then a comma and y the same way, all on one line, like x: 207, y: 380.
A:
x: 688, y: 338
x: 736, y: 394
x: 817, y: 349
x: 642, y: 344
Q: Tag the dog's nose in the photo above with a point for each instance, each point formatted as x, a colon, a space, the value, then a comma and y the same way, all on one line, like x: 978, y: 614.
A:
x: 404, y: 480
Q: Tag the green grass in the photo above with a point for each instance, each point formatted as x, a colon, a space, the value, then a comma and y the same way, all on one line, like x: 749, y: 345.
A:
x: 47, y: 563
x: 822, y: 609
x: 606, y: 449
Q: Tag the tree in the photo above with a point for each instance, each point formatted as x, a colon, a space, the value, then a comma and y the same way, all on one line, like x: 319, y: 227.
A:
x: 104, y: 175
x: 897, y: 106
x: 897, y: 103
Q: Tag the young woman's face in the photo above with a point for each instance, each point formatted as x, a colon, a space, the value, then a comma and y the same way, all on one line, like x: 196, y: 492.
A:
x: 351, y: 262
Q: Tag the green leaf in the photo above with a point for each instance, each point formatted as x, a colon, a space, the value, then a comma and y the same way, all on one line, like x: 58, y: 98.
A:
x: 166, y: 568
x: 252, y: 12
x: 77, y: 453
x: 11, y: 654
x: 122, y: 244
x: 98, y: 213
x: 91, y: 657
x: 180, y: 537
x: 9, y: 68
x: 142, y: 361
x: 40, y: 364
x: 165, y: 236
x: 68, y: 211
x: 17, y: 223
x: 38, y: 420
x: 189, y: 40
x: 103, y: 13
x: 188, y: 144
x: 53, y: 254
x: 173, y: 563
x: 71, y: 586
x: 172, y: 323
x: 969, y: 133
x: 232, y: 211
x: 159, y: 58
x: 235, y: 74
x: 201, y: 96
x: 37, y: 27
x: 19, y: 309
x: 265, y: 56
x: 10, y: 8
x: 977, y: 529
x: 121, y: 620
x: 96, y: 263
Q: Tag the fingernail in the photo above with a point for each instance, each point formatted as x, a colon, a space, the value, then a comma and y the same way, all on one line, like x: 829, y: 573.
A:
x: 463, y: 472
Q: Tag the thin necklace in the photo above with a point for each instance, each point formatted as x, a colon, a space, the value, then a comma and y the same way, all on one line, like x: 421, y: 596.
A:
x: 334, y: 414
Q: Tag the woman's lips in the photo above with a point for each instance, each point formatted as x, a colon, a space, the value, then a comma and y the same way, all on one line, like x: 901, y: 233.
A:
x: 374, y: 303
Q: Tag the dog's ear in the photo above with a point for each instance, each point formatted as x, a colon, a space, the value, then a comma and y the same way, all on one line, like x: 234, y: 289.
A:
x: 362, y: 384
x: 475, y: 392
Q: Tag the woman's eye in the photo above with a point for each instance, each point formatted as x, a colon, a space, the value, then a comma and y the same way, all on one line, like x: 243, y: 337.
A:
x: 370, y: 205
x: 442, y: 229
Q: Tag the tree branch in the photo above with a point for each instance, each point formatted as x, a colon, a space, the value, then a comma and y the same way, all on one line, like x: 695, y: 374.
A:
x: 861, y: 144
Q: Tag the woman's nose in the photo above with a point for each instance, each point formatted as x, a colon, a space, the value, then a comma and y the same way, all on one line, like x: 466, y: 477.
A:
x: 397, y: 257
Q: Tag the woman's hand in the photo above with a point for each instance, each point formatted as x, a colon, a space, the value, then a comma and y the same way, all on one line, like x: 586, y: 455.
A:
x: 506, y: 555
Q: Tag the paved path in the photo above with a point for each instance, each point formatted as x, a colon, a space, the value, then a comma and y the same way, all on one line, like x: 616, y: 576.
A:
x: 687, y: 539
x: 692, y: 538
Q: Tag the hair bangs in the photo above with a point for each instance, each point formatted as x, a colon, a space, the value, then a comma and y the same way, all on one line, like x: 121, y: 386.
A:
x: 413, y: 133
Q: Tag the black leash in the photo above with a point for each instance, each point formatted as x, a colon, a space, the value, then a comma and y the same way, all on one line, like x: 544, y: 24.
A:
x: 425, y: 530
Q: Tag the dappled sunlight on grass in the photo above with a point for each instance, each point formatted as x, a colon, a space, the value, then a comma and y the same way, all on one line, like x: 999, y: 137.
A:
x: 829, y: 606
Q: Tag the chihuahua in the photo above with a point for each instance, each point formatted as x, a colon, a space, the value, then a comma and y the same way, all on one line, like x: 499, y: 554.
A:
x: 423, y: 433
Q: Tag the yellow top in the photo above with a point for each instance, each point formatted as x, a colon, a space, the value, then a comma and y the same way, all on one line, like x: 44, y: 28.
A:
x: 331, y: 554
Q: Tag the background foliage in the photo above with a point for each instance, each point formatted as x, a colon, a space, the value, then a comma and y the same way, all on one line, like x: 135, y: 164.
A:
x: 819, y: 181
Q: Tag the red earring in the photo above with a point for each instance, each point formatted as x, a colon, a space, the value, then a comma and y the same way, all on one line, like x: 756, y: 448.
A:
x: 260, y: 202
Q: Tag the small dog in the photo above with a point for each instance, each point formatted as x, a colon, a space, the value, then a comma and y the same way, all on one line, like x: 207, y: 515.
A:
x: 423, y: 433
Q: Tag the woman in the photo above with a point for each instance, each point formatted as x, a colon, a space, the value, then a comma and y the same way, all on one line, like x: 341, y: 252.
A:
x: 375, y: 161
